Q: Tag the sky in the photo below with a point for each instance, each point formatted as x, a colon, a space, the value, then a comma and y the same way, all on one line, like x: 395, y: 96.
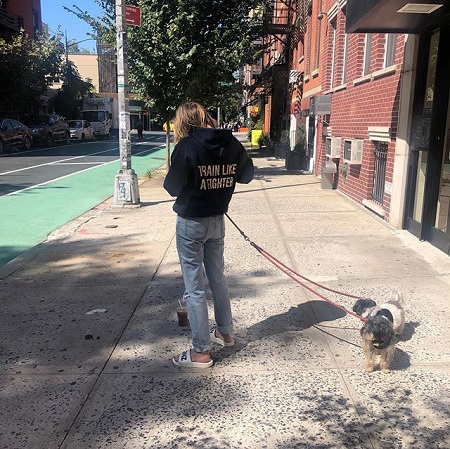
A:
x: 53, y: 14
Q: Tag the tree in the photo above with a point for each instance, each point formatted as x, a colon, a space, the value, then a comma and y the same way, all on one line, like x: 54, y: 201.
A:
x: 27, y: 68
x: 189, y: 51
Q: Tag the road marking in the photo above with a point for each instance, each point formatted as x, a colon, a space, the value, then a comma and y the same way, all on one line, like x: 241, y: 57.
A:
x: 56, y: 162
x: 78, y: 163
x: 66, y: 176
x: 56, y: 179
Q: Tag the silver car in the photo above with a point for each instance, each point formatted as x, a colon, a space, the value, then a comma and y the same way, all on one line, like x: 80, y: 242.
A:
x: 81, y: 130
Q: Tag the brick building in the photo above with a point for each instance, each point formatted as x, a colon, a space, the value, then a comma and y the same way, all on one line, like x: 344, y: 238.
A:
x: 370, y: 82
x: 362, y: 80
x: 392, y: 113
x: 20, y: 14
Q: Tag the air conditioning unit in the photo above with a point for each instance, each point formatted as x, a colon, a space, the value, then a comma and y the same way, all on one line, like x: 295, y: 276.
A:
x: 353, y: 149
x: 333, y: 147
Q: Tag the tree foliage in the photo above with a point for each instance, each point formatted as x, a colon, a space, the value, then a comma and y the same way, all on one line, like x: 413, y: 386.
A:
x: 189, y: 50
x: 103, y: 28
x: 27, y: 69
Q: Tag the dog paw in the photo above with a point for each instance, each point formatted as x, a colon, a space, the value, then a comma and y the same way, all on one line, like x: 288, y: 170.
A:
x: 385, y: 370
x: 369, y: 369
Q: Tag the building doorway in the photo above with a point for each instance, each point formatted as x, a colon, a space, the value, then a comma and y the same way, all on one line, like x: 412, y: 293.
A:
x: 440, y: 231
x: 427, y: 206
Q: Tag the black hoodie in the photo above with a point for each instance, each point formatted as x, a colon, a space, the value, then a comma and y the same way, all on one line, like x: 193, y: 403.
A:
x: 205, y: 167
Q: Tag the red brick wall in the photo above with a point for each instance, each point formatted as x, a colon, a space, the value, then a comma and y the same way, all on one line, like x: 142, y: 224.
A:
x: 25, y: 9
x: 355, y: 107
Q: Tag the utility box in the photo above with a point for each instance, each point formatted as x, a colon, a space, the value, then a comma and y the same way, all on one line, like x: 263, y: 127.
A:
x: 126, y: 189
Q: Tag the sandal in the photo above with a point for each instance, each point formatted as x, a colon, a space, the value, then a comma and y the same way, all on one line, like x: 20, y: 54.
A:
x: 184, y: 359
x: 220, y: 341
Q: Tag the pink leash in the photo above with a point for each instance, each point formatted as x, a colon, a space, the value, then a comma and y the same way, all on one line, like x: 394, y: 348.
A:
x: 291, y: 273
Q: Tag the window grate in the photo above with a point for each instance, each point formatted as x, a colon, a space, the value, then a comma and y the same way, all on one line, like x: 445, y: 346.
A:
x: 381, y: 149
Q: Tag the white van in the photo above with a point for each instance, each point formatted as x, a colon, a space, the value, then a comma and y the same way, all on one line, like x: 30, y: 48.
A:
x: 101, y: 120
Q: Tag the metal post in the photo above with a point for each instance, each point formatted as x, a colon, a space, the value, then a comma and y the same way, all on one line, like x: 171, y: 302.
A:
x: 67, y: 49
x: 126, y: 188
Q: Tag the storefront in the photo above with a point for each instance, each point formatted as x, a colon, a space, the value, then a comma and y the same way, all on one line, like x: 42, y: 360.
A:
x: 426, y: 206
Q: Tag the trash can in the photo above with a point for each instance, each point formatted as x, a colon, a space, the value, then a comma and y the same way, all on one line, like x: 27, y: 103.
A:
x: 329, y: 169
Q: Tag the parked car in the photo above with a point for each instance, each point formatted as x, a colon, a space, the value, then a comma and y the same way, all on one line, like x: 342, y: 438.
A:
x: 81, y: 130
x: 48, y: 129
x: 14, y: 135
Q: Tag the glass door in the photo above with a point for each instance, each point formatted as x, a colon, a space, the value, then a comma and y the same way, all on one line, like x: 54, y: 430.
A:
x: 441, y: 231
x: 420, y: 142
x: 427, y: 205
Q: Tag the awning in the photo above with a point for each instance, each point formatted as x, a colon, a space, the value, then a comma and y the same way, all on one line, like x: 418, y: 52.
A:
x: 395, y: 16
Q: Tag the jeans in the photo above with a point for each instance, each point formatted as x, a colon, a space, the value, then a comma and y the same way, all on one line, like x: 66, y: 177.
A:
x: 200, y: 245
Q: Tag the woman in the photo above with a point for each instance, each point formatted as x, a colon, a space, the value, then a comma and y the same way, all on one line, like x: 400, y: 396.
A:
x: 205, y: 166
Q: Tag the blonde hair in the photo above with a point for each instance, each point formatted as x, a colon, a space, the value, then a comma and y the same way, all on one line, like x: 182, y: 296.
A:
x: 189, y: 116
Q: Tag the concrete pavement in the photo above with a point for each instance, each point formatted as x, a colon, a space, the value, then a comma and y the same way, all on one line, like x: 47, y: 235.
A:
x: 88, y: 328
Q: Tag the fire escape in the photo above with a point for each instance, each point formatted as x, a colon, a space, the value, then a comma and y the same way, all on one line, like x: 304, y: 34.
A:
x: 107, y: 67
x: 10, y: 24
x: 283, y: 27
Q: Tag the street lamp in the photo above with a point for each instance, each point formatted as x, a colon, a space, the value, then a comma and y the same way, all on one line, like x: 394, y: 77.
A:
x: 74, y: 43
x: 67, y: 70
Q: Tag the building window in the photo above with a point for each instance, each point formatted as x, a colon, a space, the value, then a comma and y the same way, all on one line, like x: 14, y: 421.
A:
x: 367, y: 52
x: 344, y: 60
x: 389, y: 50
x: 333, y: 54
x: 35, y: 23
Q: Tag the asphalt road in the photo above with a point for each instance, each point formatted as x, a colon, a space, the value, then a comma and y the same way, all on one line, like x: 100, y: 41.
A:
x: 42, y: 189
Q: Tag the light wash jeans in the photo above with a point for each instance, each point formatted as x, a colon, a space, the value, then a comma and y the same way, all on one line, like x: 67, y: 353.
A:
x: 200, y: 244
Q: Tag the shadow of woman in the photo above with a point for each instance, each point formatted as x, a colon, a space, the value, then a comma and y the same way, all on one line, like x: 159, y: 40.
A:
x: 298, y: 318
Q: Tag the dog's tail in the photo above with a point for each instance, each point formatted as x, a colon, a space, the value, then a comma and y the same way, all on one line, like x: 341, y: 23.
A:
x: 397, y: 296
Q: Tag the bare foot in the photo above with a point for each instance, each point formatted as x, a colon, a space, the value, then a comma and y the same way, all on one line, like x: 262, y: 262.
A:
x: 227, y: 338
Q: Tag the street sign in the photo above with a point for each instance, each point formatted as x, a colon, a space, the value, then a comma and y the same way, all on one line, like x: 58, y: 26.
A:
x: 133, y: 15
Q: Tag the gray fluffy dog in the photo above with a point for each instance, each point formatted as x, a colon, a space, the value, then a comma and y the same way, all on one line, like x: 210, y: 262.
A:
x: 384, y: 323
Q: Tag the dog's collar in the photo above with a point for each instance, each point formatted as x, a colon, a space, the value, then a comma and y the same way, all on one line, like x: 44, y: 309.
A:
x: 385, y: 313
x: 383, y: 343
x: 370, y: 312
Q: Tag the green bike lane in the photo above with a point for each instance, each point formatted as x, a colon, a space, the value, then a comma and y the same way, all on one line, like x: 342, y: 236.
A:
x: 28, y: 217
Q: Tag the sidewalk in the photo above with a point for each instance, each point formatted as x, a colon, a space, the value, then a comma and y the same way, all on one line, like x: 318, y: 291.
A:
x: 88, y: 328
